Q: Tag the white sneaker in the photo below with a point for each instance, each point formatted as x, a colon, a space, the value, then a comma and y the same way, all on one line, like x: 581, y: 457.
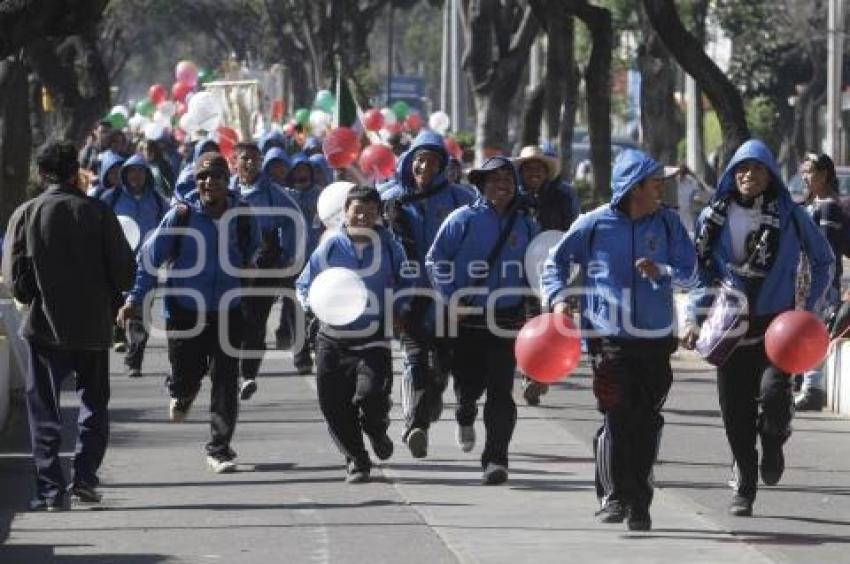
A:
x: 465, y: 436
x: 220, y: 466
x: 178, y: 409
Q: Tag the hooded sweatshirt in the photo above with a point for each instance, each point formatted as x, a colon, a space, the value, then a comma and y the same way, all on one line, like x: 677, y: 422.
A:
x: 186, y: 181
x: 797, y: 230
x: 216, y: 285
x: 425, y: 216
x: 147, y: 210
x: 110, y: 160
x: 307, y: 201
x: 605, y: 243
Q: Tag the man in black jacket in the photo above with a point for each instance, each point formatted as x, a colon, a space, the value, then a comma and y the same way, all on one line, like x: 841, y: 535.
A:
x: 69, y: 261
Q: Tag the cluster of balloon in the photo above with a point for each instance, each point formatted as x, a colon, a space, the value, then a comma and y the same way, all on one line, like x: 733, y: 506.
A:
x: 796, y: 341
x: 331, y: 204
x: 548, y: 347
x: 337, y: 296
x: 377, y: 162
x: 341, y: 147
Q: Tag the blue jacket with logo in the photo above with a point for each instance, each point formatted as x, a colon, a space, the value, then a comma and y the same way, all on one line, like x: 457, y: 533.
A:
x: 109, y: 160
x: 289, y: 229
x: 462, y: 246
x: 379, y: 268
x: 797, y: 231
x: 205, y: 275
x: 148, y: 210
x: 606, y: 243
x: 427, y: 215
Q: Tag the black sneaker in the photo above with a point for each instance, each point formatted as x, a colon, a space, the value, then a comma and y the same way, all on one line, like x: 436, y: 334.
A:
x: 741, y: 506
x: 357, y: 474
x: 304, y: 368
x: 772, y: 460
x: 59, y: 503
x: 812, y: 399
x: 134, y: 373
x: 417, y: 442
x: 639, y: 519
x: 249, y: 388
x: 611, y: 512
x: 494, y: 474
x: 82, y: 492
x: 532, y: 392
x: 382, y: 446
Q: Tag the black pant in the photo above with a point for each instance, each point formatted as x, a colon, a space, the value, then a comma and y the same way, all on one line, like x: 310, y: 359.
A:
x: 191, y: 358
x: 631, y: 380
x: 298, y: 329
x: 137, y: 340
x: 427, y: 361
x: 48, y: 368
x: 255, y: 312
x: 483, y: 361
x: 744, y: 382
x: 354, y: 382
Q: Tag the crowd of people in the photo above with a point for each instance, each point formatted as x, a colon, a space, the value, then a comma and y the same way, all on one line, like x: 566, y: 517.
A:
x: 442, y: 265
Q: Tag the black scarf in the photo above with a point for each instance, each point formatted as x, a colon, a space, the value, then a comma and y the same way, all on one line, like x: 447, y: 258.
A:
x: 762, y: 245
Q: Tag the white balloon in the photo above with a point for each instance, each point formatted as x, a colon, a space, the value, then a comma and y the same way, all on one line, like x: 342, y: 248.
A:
x: 319, y: 121
x: 131, y: 230
x: 338, y: 296
x: 167, y: 108
x: 439, y: 121
x: 187, y: 123
x: 537, y: 252
x: 154, y: 131
x: 137, y: 122
x: 120, y: 109
x: 389, y: 116
x: 331, y: 203
x: 206, y: 111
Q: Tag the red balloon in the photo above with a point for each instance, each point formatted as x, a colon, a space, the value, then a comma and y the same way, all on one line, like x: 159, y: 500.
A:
x: 289, y: 128
x: 373, y: 119
x: 181, y: 109
x: 227, y: 139
x: 179, y: 135
x: 377, y: 161
x: 179, y: 91
x: 157, y: 94
x: 796, y: 341
x: 453, y: 148
x: 278, y: 108
x: 341, y: 147
x: 414, y: 121
x: 548, y: 347
x: 393, y: 128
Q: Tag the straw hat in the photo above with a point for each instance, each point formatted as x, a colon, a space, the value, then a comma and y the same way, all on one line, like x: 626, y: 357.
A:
x: 535, y: 153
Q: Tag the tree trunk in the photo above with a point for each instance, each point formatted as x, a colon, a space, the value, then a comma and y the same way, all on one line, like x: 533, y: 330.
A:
x: 15, y: 142
x: 661, y: 120
x: 690, y: 55
x: 75, y: 76
x: 532, y: 116
x: 568, y: 114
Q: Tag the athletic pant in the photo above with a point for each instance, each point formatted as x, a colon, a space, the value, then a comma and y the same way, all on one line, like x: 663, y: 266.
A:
x: 289, y: 330
x: 255, y: 315
x: 427, y: 361
x: 354, y: 382
x: 48, y: 368
x: 137, y: 340
x: 631, y: 379
x: 746, y: 382
x: 192, y: 357
x: 485, y: 362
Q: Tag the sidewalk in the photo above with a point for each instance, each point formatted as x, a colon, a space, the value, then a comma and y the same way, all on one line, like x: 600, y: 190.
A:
x: 288, y: 502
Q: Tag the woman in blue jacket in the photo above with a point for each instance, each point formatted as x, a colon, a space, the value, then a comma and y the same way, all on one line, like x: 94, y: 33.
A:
x: 750, y: 236
x: 476, y: 263
x: 631, y: 251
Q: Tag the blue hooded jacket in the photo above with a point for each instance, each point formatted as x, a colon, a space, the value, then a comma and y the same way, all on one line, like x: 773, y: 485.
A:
x: 797, y: 230
x: 425, y: 216
x: 320, y: 165
x: 276, y: 154
x: 287, y: 229
x: 211, y: 281
x: 148, y: 210
x: 186, y: 180
x: 605, y: 243
x: 110, y: 160
x: 378, y: 274
x: 308, y: 201
x: 464, y: 242
x: 270, y: 140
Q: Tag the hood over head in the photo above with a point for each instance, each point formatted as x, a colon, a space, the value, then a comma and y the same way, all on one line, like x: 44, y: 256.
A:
x: 630, y: 169
x: 752, y: 150
x: 138, y: 160
x: 110, y: 160
x: 426, y: 140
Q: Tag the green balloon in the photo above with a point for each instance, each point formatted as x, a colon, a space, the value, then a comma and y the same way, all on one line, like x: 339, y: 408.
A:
x: 325, y: 100
x: 117, y: 120
x: 206, y: 75
x: 401, y: 109
x: 145, y: 107
x: 302, y: 116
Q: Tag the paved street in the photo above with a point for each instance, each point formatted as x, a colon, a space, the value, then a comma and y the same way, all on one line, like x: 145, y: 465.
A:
x: 289, y: 503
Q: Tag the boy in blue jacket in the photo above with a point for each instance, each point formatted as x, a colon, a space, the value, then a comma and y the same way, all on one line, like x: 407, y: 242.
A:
x: 136, y: 197
x: 415, y: 204
x: 203, y: 302
x: 750, y: 236
x: 354, y: 361
x: 476, y: 263
x: 631, y: 251
x: 283, y: 234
